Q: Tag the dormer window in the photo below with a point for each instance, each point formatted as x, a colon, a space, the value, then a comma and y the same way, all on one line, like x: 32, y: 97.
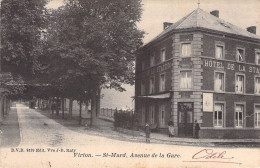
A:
x: 240, y: 55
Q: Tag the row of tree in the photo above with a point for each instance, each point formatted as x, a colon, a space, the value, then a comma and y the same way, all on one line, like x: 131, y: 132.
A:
x: 73, y: 51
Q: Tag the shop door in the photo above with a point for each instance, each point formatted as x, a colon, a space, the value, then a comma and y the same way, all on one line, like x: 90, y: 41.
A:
x: 185, y: 121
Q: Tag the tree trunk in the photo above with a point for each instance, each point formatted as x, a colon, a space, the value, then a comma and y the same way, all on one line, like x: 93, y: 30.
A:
x: 57, y: 107
x: 80, y: 109
x: 52, y: 106
x: 62, y: 106
x: 98, y: 103
x: 70, y: 108
x: 93, y: 110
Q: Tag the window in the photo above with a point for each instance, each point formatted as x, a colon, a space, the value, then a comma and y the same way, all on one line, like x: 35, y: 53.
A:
x: 240, y: 55
x: 186, y: 49
x: 152, y: 114
x: 218, y: 114
x: 143, y: 65
x: 152, y: 60
x: 239, y: 115
x: 143, y: 88
x: 257, y: 58
x: 240, y: 82
x: 151, y: 85
x: 162, y: 55
x: 219, y: 53
x: 257, y: 85
x: 257, y: 116
x: 185, y: 79
x: 219, y: 81
x: 162, y: 83
x: 162, y: 115
x: 143, y: 114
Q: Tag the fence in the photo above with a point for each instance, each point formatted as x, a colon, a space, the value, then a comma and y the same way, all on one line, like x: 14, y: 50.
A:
x: 109, y: 113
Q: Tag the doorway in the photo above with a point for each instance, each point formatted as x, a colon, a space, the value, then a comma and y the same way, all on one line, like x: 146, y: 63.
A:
x: 185, y: 119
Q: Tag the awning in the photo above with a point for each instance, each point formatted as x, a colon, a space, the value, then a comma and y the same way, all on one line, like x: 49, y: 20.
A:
x: 159, y: 96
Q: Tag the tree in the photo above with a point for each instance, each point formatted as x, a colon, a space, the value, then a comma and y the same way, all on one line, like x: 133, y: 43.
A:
x: 90, y: 45
x: 21, y: 24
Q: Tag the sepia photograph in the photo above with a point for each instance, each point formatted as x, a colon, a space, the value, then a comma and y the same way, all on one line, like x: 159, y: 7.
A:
x: 130, y: 83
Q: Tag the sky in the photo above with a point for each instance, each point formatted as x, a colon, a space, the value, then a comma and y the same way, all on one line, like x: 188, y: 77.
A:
x: 242, y: 13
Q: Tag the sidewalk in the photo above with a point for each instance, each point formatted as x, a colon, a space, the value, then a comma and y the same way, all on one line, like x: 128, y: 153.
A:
x: 205, y: 142
x: 10, y: 131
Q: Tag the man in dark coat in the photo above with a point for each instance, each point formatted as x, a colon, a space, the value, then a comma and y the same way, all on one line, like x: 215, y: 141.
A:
x: 147, y: 133
x: 197, y: 129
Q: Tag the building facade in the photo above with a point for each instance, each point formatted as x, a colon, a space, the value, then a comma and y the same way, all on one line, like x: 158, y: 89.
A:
x: 202, y: 69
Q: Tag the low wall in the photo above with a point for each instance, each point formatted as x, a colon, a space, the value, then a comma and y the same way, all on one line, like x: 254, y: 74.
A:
x: 231, y: 133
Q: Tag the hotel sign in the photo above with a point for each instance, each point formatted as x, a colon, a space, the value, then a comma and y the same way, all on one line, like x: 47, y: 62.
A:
x: 226, y: 65
x: 160, y: 68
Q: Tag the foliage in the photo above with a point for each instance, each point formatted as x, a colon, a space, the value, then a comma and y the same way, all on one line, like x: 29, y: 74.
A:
x: 91, y: 44
x: 21, y: 24
x: 124, y: 120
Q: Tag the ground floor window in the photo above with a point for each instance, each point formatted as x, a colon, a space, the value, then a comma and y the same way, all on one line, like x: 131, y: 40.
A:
x: 218, y: 114
x: 239, y: 115
x: 162, y: 115
x: 257, y: 116
x: 143, y: 113
x: 152, y: 114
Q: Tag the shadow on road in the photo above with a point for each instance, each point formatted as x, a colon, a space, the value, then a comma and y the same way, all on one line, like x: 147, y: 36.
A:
x: 10, y: 132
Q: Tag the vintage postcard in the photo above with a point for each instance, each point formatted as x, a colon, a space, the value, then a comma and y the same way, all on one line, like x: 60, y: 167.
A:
x: 130, y: 84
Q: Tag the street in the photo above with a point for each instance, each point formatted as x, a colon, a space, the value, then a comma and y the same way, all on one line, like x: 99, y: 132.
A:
x: 48, y: 143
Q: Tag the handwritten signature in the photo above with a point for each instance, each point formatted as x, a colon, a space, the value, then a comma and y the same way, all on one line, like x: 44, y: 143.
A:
x: 209, y: 155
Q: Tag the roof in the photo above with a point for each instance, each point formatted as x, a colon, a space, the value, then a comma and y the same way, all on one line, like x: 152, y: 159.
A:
x: 202, y: 19
x: 159, y: 96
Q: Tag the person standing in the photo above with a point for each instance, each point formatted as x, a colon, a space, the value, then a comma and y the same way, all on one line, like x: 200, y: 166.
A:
x: 147, y: 132
x: 171, y: 129
x: 197, y: 129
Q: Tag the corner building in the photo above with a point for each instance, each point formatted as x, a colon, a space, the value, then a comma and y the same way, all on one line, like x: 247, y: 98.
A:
x: 202, y: 69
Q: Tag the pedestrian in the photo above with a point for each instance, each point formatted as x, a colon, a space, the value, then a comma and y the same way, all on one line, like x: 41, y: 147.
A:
x: 197, y: 129
x: 171, y: 129
x: 53, y: 107
x: 147, y: 132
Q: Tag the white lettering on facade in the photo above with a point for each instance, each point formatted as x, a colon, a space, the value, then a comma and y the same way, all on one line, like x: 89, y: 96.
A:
x: 241, y: 68
x: 231, y: 66
x: 215, y: 64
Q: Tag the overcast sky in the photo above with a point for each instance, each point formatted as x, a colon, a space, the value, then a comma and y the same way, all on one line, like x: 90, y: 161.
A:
x: 242, y: 13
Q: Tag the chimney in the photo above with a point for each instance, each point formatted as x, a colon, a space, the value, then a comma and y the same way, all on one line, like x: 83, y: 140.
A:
x: 251, y: 29
x: 166, y: 25
x: 215, y: 13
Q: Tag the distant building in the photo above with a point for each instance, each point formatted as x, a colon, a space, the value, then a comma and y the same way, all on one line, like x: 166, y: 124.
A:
x: 201, y: 68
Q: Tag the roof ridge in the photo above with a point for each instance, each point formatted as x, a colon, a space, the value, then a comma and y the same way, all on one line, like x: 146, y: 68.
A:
x: 204, y: 19
x: 222, y: 21
x: 184, y: 18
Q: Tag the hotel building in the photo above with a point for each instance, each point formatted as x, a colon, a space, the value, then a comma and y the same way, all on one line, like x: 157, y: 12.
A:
x: 202, y: 69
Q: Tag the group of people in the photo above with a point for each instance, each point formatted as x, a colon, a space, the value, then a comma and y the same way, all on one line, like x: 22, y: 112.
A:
x: 170, y: 130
